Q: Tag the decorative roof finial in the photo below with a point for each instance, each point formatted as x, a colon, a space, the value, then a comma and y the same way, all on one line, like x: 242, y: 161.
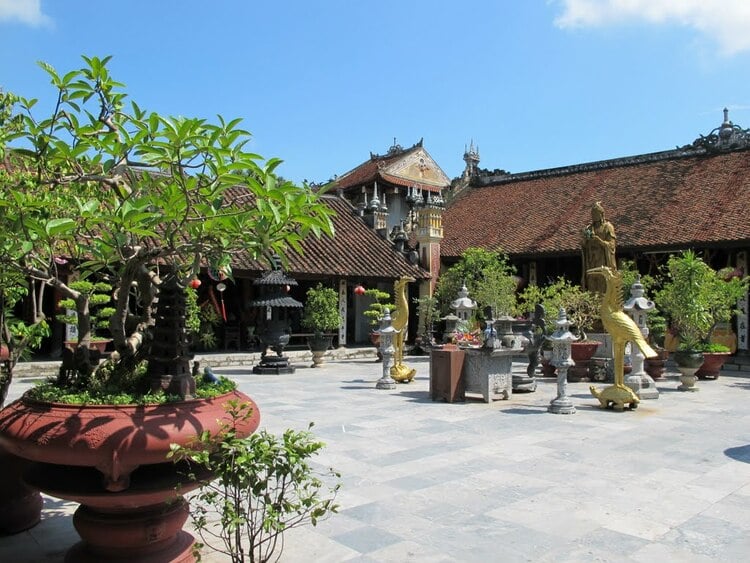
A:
x: 375, y: 202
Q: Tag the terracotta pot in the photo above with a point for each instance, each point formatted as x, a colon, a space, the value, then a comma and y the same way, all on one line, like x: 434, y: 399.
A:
x: 712, y: 363
x: 582, y: 352
x: 656, y: 367
x: 20, y: 505
x: 112, y: 460
x: 548, y: 370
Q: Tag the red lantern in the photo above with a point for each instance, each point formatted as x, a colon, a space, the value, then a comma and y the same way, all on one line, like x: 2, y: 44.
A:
x: 195, y: 283
x: 359, y: 290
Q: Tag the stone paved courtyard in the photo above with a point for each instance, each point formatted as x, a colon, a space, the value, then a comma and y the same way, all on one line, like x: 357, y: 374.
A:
x: 506, y: 481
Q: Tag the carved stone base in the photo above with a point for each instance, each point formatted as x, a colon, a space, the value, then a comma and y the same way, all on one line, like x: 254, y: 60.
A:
x: 488, y: 373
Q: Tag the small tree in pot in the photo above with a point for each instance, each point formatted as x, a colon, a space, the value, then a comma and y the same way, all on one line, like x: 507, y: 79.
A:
x: 695, y: 297
x: 321, y: 314
x: 102, y: 188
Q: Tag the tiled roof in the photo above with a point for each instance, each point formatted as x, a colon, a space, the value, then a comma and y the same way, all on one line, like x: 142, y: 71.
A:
x: 659, y: 201
x: 371, y: 170
x: 356, y: 251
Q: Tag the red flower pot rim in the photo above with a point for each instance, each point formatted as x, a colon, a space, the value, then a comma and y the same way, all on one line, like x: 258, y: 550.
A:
x: 116, y: 439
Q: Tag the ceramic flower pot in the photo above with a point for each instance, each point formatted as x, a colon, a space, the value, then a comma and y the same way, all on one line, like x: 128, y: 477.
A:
x: 712, y: 364
x: 113, y: 460
x: 582, y: 352
x: 319, y: 345
x: 688, y: 362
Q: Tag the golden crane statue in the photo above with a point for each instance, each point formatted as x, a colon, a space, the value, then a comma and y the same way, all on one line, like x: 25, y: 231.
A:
x: 399, y: 371
x: 623, y: 330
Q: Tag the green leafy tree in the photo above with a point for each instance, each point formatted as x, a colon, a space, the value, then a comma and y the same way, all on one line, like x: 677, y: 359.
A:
x: 695, y: 297
x: 321, y: 311
x: 581, y: 306
x: 103, y: 187
x: 264, y: 486
x: 488, y: 276
x: 17, y: 336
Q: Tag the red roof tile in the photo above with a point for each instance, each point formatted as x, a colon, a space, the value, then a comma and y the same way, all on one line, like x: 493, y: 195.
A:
x: 675, y: 199
x: 355, y: 251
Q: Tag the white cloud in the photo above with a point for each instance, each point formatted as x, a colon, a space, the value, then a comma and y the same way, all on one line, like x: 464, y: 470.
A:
x: 725, y: 22
x: 25, y: 11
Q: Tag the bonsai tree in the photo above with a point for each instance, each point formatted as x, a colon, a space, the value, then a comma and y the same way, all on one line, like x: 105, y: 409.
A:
x: 381, y: 300
x: 695, y: 297
x: 427, y: 312
x: 115, y: 193
x: 498, y: 292
x: 99, y: 296
x: 321, y: 310
x: 581, y: 306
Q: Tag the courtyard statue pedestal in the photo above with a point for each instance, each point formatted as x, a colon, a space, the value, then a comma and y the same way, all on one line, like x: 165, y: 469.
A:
x: 488, y: 372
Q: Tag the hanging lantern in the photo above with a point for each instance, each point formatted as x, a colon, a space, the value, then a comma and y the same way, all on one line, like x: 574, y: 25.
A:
x: 195, y: 283
x: 287, y: 288
x: 359, y: 290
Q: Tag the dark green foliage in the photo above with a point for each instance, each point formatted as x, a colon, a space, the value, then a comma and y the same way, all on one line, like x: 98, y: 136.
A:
x: 488, y: 277
x: 321, y: 312
x: 696, y: 297
x: 382, y: 300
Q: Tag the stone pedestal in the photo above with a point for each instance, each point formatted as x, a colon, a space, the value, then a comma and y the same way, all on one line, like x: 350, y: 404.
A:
x: 488, y: 372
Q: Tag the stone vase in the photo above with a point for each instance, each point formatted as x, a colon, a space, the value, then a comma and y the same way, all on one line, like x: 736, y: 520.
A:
x: 319, y: 345
x: 688, y: 362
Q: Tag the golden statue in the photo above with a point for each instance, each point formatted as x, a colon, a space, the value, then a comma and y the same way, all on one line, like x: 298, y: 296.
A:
x: 597, y: 249
x: 623, y: 330
x: 399, y: 371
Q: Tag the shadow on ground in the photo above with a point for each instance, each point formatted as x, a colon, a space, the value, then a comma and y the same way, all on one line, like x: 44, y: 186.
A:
x: 740, y: 453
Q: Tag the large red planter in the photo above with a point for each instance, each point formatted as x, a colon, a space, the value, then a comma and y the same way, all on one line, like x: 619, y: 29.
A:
x: 112, y: 460
x: 581, y: 353
x: 712, y: 364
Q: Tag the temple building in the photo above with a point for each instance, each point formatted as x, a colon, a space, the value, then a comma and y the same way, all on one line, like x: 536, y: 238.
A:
x: 693, y: 197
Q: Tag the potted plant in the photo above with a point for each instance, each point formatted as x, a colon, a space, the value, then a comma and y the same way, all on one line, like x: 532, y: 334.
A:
x: 265, y: 485
x: 143, y: 201
x: 582, y: 309
x: 714, y: 357
x: 380, y: 301
x: 427, y: 313
x: 695, y: 298
x: 321, y: 314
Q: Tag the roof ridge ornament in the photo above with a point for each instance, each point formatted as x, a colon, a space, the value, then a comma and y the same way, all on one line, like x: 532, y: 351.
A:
x: 726, y: 137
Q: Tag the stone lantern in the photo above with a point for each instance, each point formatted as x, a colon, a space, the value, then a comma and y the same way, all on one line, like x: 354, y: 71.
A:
x: 273, y: 324
x: 638, y: 307
x: 562, y: 339
x: 387, y: 332
x: 463, y: 306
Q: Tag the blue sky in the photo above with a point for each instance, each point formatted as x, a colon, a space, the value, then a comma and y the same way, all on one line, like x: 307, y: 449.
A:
x: 536, y: 84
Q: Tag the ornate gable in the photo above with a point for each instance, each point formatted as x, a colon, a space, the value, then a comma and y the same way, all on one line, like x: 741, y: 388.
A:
x: 419, y: 167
